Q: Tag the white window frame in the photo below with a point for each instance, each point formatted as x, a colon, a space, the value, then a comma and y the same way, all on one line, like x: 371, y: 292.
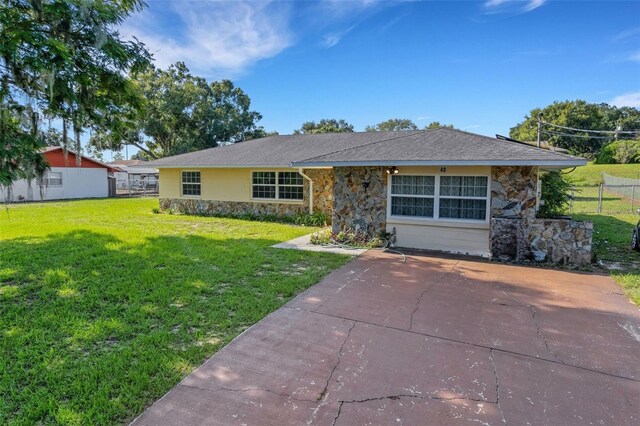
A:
x: 436, y: 199
x: 47, y: 179
x: 182, y: 194
x: 277, y: 185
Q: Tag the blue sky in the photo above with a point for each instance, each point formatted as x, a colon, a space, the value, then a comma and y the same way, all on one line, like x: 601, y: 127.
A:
x: 480, y: 65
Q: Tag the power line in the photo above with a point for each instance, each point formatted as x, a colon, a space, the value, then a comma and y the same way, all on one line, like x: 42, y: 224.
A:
x: 573, y: 135
x: 611, y: 132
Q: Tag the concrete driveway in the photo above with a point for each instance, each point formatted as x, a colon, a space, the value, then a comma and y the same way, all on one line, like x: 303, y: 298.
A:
x: 432, y: 341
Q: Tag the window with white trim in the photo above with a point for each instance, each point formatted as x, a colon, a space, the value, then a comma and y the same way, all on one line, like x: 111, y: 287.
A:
x: 191, y: 184
x: 463, y: 197
x: 413, y: 195
x: 52, y: 179
x: 439, y: 197
x: 277, y: 185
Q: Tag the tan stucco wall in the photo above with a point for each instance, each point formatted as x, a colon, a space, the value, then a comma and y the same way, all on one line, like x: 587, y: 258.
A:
x: 217, y: 184
x: 449, y: 170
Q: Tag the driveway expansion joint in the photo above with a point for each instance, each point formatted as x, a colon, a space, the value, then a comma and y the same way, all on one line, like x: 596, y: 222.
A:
x: 475, y: 345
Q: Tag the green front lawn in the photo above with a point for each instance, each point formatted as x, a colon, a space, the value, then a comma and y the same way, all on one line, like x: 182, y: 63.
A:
x: 104, y: 306
x: 614, y: 226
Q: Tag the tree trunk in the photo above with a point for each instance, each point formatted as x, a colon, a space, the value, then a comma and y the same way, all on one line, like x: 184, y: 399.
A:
x: 76, y: 134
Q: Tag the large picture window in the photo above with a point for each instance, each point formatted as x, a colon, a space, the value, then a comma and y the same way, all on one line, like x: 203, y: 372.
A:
x: 191, y: 184
x: 277, y: 185
x: 439, y: 197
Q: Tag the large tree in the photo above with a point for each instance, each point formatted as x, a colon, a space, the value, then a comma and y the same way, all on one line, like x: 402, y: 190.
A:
x: 181, y: 113
x: 578, y: 114
x: 392, y: 125
x: 63, y: 59
x: 326, y: 125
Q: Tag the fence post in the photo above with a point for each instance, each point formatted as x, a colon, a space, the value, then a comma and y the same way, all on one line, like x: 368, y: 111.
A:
x: 633, y: 196
x: 600, y: 198
x: 571, y: 202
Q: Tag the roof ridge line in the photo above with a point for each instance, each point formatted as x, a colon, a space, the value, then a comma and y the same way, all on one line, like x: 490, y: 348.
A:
x: 415, y: 132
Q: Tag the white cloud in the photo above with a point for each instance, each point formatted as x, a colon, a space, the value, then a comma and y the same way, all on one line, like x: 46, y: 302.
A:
x: 214, y: 39
x: 331, y: 39
x: 533, y: 4
x: 628, y: 99
x: 523, y: 6
x: 627, y: 34
x: 634, y: 57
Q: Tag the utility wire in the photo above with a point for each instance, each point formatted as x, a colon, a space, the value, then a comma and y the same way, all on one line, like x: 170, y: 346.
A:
x: 572, y: 135
x: 612, y: 132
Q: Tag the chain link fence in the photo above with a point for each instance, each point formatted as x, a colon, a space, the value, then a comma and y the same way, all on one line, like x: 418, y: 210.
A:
x: 137, y: 189
x: 614, y: 195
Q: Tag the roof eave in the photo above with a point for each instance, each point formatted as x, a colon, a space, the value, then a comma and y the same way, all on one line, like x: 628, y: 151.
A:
x: 545, y: 163
x: 224, y: 166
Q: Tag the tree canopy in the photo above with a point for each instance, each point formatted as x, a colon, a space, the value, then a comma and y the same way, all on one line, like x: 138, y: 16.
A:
x: 181, y: 113
x: 392, y: 125
x: 326, y: 125
x: 577, y: 114
x: 62, y: 59
x: 437, y: 125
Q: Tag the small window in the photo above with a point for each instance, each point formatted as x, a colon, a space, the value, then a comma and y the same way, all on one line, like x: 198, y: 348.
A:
x: 277, y: 185
x: 264, y: 185
x: 53, y: 179
x: 290, y: 186
x: 191, y: 184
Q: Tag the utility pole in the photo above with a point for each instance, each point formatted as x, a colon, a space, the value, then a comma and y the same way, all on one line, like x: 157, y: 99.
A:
x: 539, y: 127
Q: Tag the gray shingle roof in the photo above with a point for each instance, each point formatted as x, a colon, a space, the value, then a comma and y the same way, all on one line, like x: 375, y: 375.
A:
x: 441, y: 146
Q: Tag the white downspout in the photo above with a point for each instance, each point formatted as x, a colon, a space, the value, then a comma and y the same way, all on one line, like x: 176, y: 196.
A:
x: 310, y: 189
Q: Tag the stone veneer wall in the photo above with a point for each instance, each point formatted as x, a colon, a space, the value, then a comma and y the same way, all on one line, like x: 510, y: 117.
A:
x: 513, y: 191
x: 562, y: 241
x: 360, y: 199
x: 323, y: 180
x: 234, y: 208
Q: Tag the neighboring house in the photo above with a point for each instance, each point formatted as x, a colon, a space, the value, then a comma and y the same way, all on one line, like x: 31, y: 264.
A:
x: 440, y: 189
x: 134, y: 174
x: 65, y: 179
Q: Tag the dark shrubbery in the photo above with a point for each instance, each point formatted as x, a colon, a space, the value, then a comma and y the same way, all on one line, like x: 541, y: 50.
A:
x: 556, y: 190
x: 620, y: 152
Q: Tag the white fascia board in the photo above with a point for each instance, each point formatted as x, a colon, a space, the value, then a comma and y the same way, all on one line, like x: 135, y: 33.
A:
x: 544, y: 163
x: 227, y: 166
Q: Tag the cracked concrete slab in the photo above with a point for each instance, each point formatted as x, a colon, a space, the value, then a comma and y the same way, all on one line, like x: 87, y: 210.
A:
x: 433, y: 341
x: 378, y: 361
x: 417, y: 411
x: 544, y: 393
x: 291, y: 353
x: 377, y: 288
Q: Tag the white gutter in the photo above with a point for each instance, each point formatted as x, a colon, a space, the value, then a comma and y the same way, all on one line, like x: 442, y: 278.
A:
x: 310, y: 189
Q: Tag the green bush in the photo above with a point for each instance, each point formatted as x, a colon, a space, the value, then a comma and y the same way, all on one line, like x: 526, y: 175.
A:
x: 620, y: 152
x: 350, y: 238
x: 556, y: 190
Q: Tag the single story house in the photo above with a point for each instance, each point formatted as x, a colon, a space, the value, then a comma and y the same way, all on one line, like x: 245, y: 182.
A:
x: 439, y: 189
x: 65, y: 180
